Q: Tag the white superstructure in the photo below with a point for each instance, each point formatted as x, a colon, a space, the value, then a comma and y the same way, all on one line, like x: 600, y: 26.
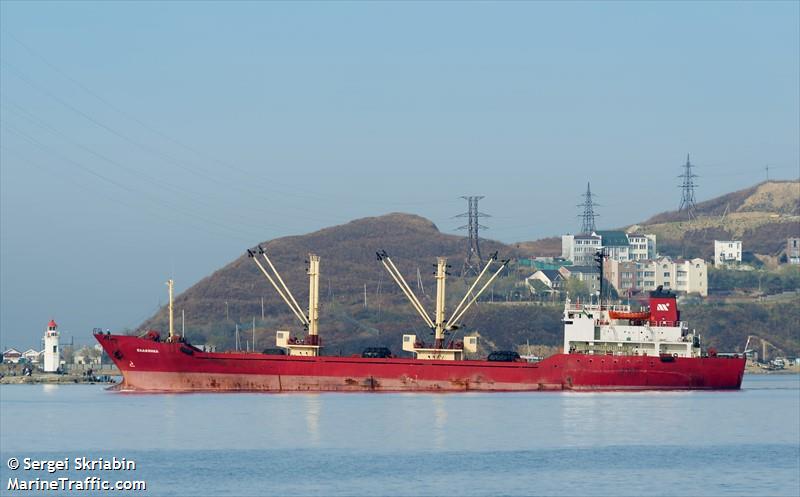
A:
x: 616, y: 330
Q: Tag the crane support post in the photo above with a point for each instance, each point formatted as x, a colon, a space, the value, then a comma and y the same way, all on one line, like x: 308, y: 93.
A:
x: 489, y: 282
x: 296, y: 312
x: 313, y: 294
x: 391, y: 268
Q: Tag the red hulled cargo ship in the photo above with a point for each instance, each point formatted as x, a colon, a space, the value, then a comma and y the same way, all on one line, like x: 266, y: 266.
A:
x: 605, y: 348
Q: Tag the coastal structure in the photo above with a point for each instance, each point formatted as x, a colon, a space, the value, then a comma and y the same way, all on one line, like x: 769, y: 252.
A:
x: 52, y: 348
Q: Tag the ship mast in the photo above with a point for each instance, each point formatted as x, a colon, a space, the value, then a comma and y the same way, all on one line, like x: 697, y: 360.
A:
x: 313, y: 298
x: 441, y: 278
x: 310, y: 346
x: 439, y: 324
x: 170, y: 284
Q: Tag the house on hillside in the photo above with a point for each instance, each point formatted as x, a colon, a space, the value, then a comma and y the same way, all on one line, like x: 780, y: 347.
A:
x: 642, y: 246
x: 580, y: 249
x: 793, y: 250
x: 615, y: 245
x: 588, y: 274
x: 551, y: 278
x: 727, y: 253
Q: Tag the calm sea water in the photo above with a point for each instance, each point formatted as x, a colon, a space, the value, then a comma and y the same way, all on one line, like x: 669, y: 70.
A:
x: 673, y: 443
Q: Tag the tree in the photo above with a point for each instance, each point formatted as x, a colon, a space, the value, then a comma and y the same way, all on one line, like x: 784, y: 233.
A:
x: 577, y: 288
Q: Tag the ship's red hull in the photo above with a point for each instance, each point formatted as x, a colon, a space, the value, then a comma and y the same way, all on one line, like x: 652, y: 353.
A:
x: 151, y: 366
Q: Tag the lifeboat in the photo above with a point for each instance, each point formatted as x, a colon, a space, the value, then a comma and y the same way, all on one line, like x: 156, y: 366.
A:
x: 638, y: 316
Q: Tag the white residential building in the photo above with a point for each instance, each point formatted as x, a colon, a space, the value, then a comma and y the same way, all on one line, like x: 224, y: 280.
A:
x: 32, y: 356
x: 580, y: 249
x: 12, y: 356
x: 688, y: 276
x: 727, y: 252
x: 642, y: 246
x: 617, y: 245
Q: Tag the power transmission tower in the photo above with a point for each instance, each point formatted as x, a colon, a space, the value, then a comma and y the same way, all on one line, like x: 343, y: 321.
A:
x: 588, y: 216
x: 473, y: 259
x: 687, y: 189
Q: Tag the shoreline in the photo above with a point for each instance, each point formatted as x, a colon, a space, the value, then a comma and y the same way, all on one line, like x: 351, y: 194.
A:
x: 58, y: 379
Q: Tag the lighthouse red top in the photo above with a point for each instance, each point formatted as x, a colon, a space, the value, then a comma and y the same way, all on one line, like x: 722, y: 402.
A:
x: 52, y: 324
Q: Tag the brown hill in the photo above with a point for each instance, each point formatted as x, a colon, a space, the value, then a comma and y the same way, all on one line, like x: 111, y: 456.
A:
x: 762, y: 216
x: 544, y: 247
x: 773, y: 197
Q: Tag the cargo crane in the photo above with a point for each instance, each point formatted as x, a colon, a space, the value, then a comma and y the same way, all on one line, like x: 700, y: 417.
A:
x: 294, y: 346
x: 764, y: 345
x: 439, y: 325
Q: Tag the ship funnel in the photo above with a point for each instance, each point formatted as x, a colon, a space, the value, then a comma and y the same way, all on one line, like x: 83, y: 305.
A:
x: 663, y: 307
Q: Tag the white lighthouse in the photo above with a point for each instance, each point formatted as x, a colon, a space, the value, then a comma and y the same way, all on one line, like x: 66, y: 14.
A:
x: 52, y: 352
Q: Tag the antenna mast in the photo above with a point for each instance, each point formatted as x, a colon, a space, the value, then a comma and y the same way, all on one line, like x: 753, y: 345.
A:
x: 687, y: 189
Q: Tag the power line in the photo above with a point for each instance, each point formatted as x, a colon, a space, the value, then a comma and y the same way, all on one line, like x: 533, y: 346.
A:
x: 33, y: 141
x: 267, y: 183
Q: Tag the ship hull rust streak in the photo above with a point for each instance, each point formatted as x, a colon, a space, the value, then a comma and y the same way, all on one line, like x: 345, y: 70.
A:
x: 150, y: 366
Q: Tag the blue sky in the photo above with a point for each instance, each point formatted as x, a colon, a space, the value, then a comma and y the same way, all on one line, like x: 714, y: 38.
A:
x: 142, y: 140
